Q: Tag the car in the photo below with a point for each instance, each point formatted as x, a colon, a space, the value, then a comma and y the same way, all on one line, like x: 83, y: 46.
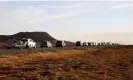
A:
x: 92, y: 44
x: 28, y: 43
x: 89, y: 43
x: 45, y: 43
x: 60, y: 44
x: 98, y: 44
x: 15, y: 44
x: 85, y: 44
x: 79, y: 43
x: 7, y: 46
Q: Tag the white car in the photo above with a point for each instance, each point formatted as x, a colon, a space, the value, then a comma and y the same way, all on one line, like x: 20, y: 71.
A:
x: 92, y: 43
x: 28, y: 43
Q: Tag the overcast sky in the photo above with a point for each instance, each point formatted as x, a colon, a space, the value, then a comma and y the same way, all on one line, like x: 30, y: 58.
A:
x: 87, y: 20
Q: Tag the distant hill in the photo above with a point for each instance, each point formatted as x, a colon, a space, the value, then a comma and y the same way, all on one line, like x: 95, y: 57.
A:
x: 36, y: 36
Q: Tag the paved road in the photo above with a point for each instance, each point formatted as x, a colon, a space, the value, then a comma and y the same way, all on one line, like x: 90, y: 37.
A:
x: 53, y: 49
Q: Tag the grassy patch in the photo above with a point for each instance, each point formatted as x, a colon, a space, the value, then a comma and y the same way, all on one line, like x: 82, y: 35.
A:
x: 84, y: 64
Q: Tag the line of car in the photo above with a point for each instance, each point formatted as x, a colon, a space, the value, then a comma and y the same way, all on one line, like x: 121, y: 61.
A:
x: 30, y: 43
x: 79, y: 43
x: 48, y: 44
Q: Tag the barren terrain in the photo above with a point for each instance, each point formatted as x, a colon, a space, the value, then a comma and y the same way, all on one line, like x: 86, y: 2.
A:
x: 74, y: 64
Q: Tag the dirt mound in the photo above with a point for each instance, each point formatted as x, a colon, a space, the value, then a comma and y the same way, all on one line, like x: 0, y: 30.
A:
x: 36, y: 36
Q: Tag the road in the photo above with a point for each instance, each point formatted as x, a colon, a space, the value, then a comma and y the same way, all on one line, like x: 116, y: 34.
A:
x: 53, y: 49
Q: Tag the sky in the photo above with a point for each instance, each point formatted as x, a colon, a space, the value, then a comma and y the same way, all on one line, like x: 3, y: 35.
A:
x: 109, y: 21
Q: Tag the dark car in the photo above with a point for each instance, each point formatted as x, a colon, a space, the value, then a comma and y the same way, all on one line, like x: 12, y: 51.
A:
x: 46, y: 44
x: 79, y: 43
x: 98, y: 44
x: 89, y: 43
x: 60, y: 44
x: 7, y: 46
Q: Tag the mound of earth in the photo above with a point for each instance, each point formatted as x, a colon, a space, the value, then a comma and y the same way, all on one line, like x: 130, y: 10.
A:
x: 36, y: 36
